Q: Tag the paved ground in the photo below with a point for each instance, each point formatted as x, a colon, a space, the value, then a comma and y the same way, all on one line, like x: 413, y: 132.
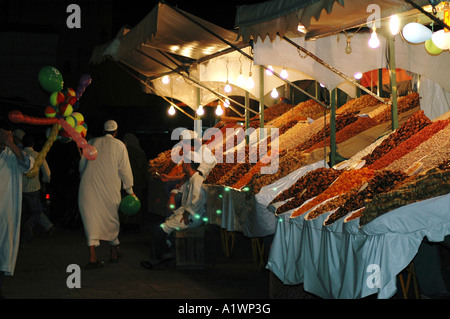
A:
x: 41, y: 271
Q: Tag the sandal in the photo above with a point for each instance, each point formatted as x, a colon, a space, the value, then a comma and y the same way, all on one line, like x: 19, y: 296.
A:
x: 97, y: 264
x: 119, y: 255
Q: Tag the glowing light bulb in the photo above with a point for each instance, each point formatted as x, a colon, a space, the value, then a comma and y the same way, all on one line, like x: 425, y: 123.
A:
x: 373, y: 41
x: 165, y: 79
x: 394, y: 24
x: 219, y: 111
x: 171, y: 110
x: 357, y: 75
x: 200, y: 110
x: 226, y: 103
x: 250, y: 83
x: 227, y: 88
x: 269, y: 70
x: 284, y: 74
x: 274, y: 93
x: 240, y: 80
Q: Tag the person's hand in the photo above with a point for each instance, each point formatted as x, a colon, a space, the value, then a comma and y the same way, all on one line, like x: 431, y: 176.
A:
x: 185, y: 217
x: 164, y: 177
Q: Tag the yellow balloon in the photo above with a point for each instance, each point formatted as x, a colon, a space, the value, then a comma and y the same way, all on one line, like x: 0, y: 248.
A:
x: 43, y: 153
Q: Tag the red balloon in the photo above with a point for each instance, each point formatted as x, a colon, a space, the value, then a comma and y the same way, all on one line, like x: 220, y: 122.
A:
x: 15, y: 116
x: 90, y: 152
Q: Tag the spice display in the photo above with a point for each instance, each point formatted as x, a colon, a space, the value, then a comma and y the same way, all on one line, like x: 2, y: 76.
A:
x: 331, y: 204
x: 361, y: 124
x: 355, y: 215
x: 432, y: 183
x: 274, y: 111
x: 356, y: 105
x: 288, y: 162
x: 346, y: 181
x: 311, y: 184
x: 382, y: 182
x: 162, y: 164
x: 415, y: 123
x: 318, y: 138
x: 404, y: 104
x: 432, y: 152
x: 303, y: 110
x: 409, y: 145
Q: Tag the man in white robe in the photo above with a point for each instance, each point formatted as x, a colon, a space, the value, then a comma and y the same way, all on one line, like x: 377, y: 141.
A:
x: 13, y: 164
x: 100, y: 192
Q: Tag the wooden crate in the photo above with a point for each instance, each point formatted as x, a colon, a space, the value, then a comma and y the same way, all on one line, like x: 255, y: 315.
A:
x: 190, y: 248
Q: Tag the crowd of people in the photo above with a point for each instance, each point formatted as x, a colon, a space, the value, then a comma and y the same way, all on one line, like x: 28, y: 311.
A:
x: 120, y: 169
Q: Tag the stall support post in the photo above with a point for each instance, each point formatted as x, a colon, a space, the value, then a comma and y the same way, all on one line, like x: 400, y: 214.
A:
x: 333, y: 128
x: 197, y: 127
x: 261, y: 100
x: 393, y: 78
x: 380, y: 83
x: 247, y: 116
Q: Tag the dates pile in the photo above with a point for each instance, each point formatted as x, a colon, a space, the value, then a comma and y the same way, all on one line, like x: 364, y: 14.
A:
x: 303, y: 110
x: 346, y: 181
x: 311, y: 184
x: 356, y: 105
x: 409, y: 145
x: 432, y: 183
x: 162, y: 164
x: 318, y: 138
x: 404, y: 103
x: 274, y: 111
x: 331, y: 204
x: 360, y: 125
x: 414, y: 124
x: 382, y: 182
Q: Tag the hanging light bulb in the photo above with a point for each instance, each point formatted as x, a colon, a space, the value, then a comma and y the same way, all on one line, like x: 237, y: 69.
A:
x: 274, y: 93
x: 284, y: 74
x: 394, y: 24
x: 250, y: 82
x: 226, y: 103
x: 373, y: 41
x: 227, y: 88
x: 171, y: 110
x: 358, y: 75
x: 240, y: 80
x: 165, y: 79
x: 200, y: 110
x: 269, y: 70
x: 219, y: 111
x: 348, y: 47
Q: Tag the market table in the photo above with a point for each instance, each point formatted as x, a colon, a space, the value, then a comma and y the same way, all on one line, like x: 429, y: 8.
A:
x: 346, y: 261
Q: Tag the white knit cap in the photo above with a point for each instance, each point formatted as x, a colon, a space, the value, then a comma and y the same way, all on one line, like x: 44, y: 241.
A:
x: 110, y: 126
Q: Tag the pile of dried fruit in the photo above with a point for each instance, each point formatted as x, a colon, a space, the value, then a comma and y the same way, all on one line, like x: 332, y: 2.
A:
x: 404, y: 103
x: 274, y: 111
x: 346, y: 181
x: 303, y: 110
x: 311, y: 184
x: 331, y: 204
x: 430, y: 153
x: 356, y: 105
x: 382, y: 182
x: 409, y: 145
x: 414, y: 124
x: 358, y: 126
x: 434, y: 182
x: 162, y: 164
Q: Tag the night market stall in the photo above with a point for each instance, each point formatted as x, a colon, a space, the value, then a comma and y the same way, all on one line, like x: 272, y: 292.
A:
x: 334, y: 184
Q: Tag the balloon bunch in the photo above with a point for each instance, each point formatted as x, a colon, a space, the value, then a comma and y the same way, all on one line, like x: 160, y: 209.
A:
x: 435, y: 42
x: 67, y: 124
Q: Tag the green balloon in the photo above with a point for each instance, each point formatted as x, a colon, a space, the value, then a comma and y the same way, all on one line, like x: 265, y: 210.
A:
x: 432, y: 48
x: 130, y: 205
x: 51, y: 79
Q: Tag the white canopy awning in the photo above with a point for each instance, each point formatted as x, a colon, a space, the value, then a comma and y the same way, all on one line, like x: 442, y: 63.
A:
x: 283, y: 17
x: 169, y: 41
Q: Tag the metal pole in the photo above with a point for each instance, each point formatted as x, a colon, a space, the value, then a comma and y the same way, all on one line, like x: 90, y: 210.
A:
x: 247, y: 116
x: 333, y: 128
x: 393, y: 78
x: 261, y: 97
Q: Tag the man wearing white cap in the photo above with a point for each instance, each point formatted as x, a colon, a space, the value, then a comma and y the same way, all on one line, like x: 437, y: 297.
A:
x: 190, y: 214
x: 99, y: 195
